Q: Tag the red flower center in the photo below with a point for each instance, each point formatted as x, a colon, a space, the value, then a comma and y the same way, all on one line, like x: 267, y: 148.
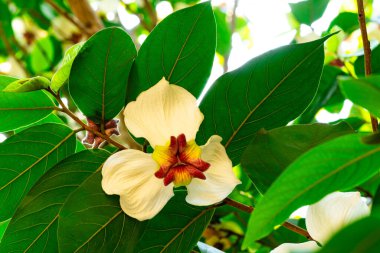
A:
x: 179, y: 162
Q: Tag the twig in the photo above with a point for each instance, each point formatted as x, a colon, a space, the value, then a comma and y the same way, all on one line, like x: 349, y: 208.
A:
x: 80, y: 122
x: 11, y: 52
x: 73, y: 20
x: 151, y: 12
x: 232, y: 29
x: 286, y: 224
x: 367, y: 51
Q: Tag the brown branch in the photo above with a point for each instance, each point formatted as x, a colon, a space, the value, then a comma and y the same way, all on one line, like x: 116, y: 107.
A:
x: 83, y: 11
x: 286, y: 224
x: 80, y: 122
x: 73, y: 20
x: 151, y: 12
x: 232, y: 29
x: 367, y: 52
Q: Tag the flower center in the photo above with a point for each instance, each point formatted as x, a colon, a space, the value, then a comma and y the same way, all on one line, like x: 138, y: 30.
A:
x: 179, y: 162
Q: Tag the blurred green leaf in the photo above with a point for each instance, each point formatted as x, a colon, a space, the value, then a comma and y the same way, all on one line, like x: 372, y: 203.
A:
x: 62, y: 74
x: 21, y: 109
x: 34, y: 226
x: 362, y: 236
x: 336, y: 165
x: 328, y: 86
x: 267, y: 92
x: 270, y: 152
x: 363, y: 91
x: 223, y: 32
x: 26, y: 156
x: 308, y: 11
x: 375, y: 62
x: 45, y: 54
x: 181, y: 48
x: 347, y: 21
x: 99, y: 74
x: 28, y: 84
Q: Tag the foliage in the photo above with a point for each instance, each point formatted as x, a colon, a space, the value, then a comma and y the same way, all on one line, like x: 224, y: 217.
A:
x: 61, y: 118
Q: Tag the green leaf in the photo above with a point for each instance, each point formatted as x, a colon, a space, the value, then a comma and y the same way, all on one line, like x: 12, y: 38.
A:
x: 308, y: 11
x: 62, y: 74
x: 28, y: 84
x: 337, y: 165
x: 91, y: 221
x: 183, y: 225
x: 51, y: 118
x: 223, y: 35
x: 328, y: 86
x: 21, y: 109
x: 362, y: 236
x: 99, y: 74
x: 181, y: 48
x: 270, y: 152
x: 34, y: 226
x: 347, y: 21
x: 363, y: 91
x: 26, y: 156
x: 375, y: 62
x: 45, y: 54
x: 257, y: 95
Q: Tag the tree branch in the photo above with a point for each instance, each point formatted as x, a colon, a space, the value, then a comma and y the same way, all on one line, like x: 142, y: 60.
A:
x: 250, y: 209
x: 232, y: 29
x: 367, y: 52
x: 83, y: 11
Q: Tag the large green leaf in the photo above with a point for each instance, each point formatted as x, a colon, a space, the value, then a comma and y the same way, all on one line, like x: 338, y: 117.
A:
x: 91, y: 221
x: 181, y: 48
x: 267, y: 92
x: 3, y: 227
x: 182, y: 224
x: 34, y: 226
x: 99, y: 74
x: 26, y: 156
x: 270, y: 152
x: 21, y: 109
x: 307, y: 11
x: 339, y: 164
x: 62, y: 75
x: 363, y: 91
x: 362, y: 236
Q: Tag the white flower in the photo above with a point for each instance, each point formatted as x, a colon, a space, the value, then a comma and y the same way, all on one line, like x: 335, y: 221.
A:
x: 168, y: 117
x: 334, y: 212
x: 326, y: 217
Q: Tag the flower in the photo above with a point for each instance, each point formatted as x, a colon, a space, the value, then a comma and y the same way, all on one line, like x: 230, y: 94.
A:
x: 326, y: 217
x: 168, y: 117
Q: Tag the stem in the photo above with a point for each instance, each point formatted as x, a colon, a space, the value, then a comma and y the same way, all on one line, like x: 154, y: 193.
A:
x: 367, y: 52
x: 232, y: 29
x: 80, y: 122
x: 286, y: 224
x: 73, y: 20
x: 151, y: 12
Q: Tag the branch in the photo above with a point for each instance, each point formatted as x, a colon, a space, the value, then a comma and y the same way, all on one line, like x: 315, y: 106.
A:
x: 232, y: 29
x: 367, y: 52
x: 151, y: 12
x: 80, y: 122
x: 286, y: 224
x: 83, y: 11
x: 73, y: 20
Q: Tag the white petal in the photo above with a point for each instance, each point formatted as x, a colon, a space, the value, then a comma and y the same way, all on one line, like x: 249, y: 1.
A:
x: 220, y: 179
x: 310, y: 246
x: 162, y: 111
x: 130, y: 174
x: 333, y: 212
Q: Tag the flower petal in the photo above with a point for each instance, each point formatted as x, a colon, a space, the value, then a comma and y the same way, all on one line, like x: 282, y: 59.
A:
x: 333, y: 212
x: 310, y: 246
x: 220, y: 179
x: 163, y: 111
x: 130, y: 174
